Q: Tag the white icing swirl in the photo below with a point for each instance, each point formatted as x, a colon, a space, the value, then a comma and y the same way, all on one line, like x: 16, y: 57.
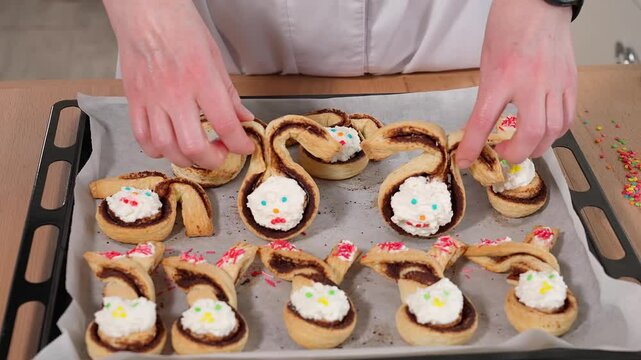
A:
x: 209, y: 317
x: 278, y: 203
x: 438, y: 304
x: 122, y: 317
x: 421, y: 207
x: 349, y: 140
x: 515, y: 175
x: 543, y: 290
x: 131, y: 204
x: 320, y: 302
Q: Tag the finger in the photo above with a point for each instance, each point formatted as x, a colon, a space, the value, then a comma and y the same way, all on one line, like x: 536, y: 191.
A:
x: 554, y: 123
x: 489, y: 105
x: 164, y: 138
x: 569, y: 107
x: 192, y: 139
x: 529, y: 132
x: 242, y: 112
x: 223, y: 118
x: 140, y: 129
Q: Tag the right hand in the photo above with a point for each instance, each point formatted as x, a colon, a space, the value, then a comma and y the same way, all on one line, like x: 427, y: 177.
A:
x: 172, y: 69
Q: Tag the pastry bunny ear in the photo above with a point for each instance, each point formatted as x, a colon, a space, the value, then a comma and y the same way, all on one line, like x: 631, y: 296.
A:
x: 444, y: 253
x: 543, y: 236
x: 393, y: 259
x: 365, y: 124
x: 123, y: 276
x: 106, y: 187
x: 237, y: 259
x: 329, y: 117
x: 200, y: 279
x: 196, y: 206
x: 286, y: 261
x: 486, y: 169
x: 341, y: 257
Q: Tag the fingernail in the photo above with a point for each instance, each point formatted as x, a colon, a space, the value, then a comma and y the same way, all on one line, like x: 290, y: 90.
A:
x: 463, y: 163
x: 246, y: 114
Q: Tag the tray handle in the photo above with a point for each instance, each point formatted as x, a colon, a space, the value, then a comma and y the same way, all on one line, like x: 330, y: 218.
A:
x: 22, y: 290
x: 629, y: 265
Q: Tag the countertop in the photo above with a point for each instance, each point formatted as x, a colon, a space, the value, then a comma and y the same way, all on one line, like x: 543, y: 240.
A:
x: 608, y: 95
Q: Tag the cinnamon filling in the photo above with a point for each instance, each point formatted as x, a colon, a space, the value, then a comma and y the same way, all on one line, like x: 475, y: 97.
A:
x: 285, y: 265
x: 232, y: 338
x: 466, y: 319
x: 133, y: 346
x: 339, y: 324
x: 186, y: 279
x: 117, y: 273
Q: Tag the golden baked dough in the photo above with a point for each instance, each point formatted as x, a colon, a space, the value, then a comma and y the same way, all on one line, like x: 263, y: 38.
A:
x: 276, y: 161
x: 413, y: 270
x: 522, y: 201
x: 516, y: 258
x: 202, y: 280
x: 303, y: 269
x: 126, y: 275
x: 487, y: 168
x: 434, y: 163
x: 195, y: 205
x: 339, y: 170
x: 219, y: 176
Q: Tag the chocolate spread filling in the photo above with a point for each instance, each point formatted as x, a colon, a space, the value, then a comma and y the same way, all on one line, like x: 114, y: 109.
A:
x: 536, y: 198
x: 186, y: 279
x: 164, y: 188
x: 165, y: 211
x: 344, y: 119
x: 135, y: 346
x: 468, y: 316
x: 357, y: 156
x: 233, y: 337
x: 117, y: 273
x: 319, y: 278
x: 143, y: 174
x: 424, y: 276
x: 284, y: 265
x: 500, y: 259
x: 339, y: 324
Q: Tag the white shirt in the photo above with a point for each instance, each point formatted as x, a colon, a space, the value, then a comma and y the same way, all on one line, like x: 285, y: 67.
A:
x: 346, y: 37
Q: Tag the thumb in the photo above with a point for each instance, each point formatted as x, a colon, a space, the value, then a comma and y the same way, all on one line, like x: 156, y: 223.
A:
x: 486, y: 111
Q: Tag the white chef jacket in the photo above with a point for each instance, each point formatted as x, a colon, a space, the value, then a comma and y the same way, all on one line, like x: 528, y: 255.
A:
x: 346, y: 37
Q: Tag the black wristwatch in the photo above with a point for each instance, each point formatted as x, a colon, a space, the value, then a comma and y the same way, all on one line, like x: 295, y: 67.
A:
x: 576, y: 5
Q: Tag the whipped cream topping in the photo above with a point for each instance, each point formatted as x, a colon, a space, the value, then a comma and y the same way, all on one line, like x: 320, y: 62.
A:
x: 421, y: 207
x: 349, y: 140
x: 209, y: 317
x: 123, y: 317
x: 346, y: 250
x: 515, y: 175
x: 542, y: 290
x: 131, y: 204
x: 320, y: 302
x: 278, y: 203
x: 438, y: 304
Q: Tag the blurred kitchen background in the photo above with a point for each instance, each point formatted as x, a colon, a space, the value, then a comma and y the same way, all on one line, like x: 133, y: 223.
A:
x: 72, y: 39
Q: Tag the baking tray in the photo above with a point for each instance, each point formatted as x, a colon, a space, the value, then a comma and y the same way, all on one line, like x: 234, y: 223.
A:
x: 55, y: 299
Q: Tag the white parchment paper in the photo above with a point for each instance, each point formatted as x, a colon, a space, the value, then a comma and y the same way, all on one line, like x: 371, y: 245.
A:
x: 609, y: 315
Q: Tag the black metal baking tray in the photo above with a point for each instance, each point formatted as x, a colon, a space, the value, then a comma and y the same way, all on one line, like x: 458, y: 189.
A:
x: 55, y: 299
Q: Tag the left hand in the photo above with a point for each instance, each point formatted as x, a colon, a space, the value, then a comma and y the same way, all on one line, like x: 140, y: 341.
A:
x: 528, y: 60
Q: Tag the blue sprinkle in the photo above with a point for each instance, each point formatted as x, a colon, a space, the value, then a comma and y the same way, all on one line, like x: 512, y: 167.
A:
x: 148, y: 193
x: 434, y: 207
x: 264, y: 203
x: 127, y: 188
x: 349, y: 136
x: 284, y: 199
x: 414, y: 201
x: 333, y: 130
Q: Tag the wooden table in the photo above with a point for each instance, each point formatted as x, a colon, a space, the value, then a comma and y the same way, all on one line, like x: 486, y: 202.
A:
x: 605, y: 93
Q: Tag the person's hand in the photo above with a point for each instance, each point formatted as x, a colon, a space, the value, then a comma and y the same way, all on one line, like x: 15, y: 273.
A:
x: 528, y: 60
x: 172, y: 69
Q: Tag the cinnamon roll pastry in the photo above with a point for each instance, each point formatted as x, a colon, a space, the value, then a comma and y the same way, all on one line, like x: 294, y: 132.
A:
x: 128, y: 319
x: 319, y: 315
x: 434, y: 311
x: 349, y: 131
x: 424, y: 197
x: 215, y: 177
x: 541, y: 299
x: 278, y: 199
x: 486, y: 170
x: 212, y: 324
x: 140, y: 207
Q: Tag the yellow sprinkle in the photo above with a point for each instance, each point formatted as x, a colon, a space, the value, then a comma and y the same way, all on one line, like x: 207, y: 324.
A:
x: 438, y: 303
x: 515, y: 169
x: 323, y: 301
x: 207, y: 318
x: 545, y: 288
x: 119, y: 312
x: 599, y: 128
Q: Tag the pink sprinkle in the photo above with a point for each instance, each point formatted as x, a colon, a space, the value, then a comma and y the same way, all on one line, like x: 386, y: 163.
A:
x: 231, y: 256
x: 270, y: 283
x: 543, y: 233
x: 267, y: 274
x: 509, y: 122
x: 392, y: 246
x: 111, y: 254
x: 282, y: 245
x: 255, y: 273
x: 445, y: 243
x: 142, y: 249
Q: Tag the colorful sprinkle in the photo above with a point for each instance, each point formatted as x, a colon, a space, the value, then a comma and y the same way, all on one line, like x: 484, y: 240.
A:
x: 127, y: 188
x: 414, y: 201
x: 231, y: 256
x: 148, y: 193
x: 111, y: 254
x: 445, y: 244
x: 345, y: 250
x: 263, y: 202
x: 434, y: 206
x: 270, y: 282
x: 545, y: 288
x: 599, y: 128
x: 282, y: 245
x: 308, y: 295
x: 349, y: 136
x: 197, y: 309
x: 544, y: 233
x: 333, y: 130
x: 438, y: 302
x: 392, y: 246
x: 332, y: 292
x: 218, y: 307
x: 508, y: 122
x: 427, y: 296
x: 529, y: 277
x: 284, y: 199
